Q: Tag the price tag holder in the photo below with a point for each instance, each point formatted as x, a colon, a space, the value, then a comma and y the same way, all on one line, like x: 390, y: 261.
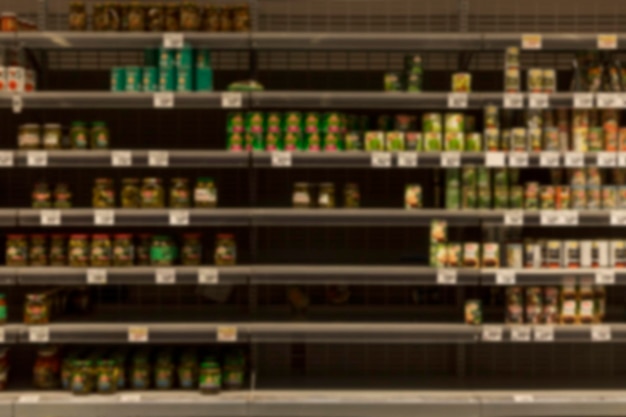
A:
x: 179, y: 217
x: 606, y: 159
x: 621, y: 159
x: 29, y: 399
x: 559, y: 218
x: 513, y: 101
x: 407, y: 159
x: 543, y: 334
x: 532, y: 41
x: 163, y: 100
x: 450, y: 159
x: 514, y: 218
x: 618, y: 217
x: 2, y: 335
x: 165, y: 276
x: 104, y: 217
x: 605, y: 277
x: 518, y: 159
x: 121, y: 158
x: 50, y: 217
x: 158, y: 158
x: 538, y: 101
x: 495, y: 159
x: 601, y: 333
x: 523, y: 398
x: 505, y: 277
x: 138, y: 334
x: 574, y: 159
x: 492, y: 334
x: 381, y: 160
x: 447, y: 277
x: 208, y: 276
x: 608, y: 101
x: 227, y: 334
x: 39, y: 334
x: 549, y: 159
x: 232, y: 100
x: 173, y: 40
x: 17, y: 103
x: 37, y: 158
x: 569, y: 217
x: 520, y: 334
x: 97, y: 276
x: 607, y: 41
x: 457, y: 100
x: 6, y: 159
x: 281, y: 159
x: 583, y: 100
x: 130, y: 398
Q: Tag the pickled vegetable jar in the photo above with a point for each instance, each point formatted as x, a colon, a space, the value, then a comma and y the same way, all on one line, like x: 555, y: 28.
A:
x: 301, y: 195
x: 351, y: 196
x: 136, y: 17
x: 78, y: 16
x: 225, y: 250
x: 130, y: 195
x: 16, y: 250
x: 58, y: 251
x: 205, y: 194
x: 172, y: 20
x: 164, y: 375
x: 41, y: 195
x: 143, y: 249
x: 101, y: 250
x: 36, y: 309
x: 190, y: 17
x: 210, y: 377
x: 62, y: 196
x: 326, y: 197
x: 28, y: 137
x: 52, y: 136
x: 191, y: 253
x: 162, y: 251
x: 152, y: 193
x: 123, y: 250
x: 140, y: 373
x: 99, y: 136
x: 79, y: 251
x: 38, y: 252
x: 179, y: 193
x: 47, y: 368
x: 106, y: 376
x: 188, y: 370
x: 78, y: 135
x: 156, y: 17
x: 81, y: 381
x: 102, y: 193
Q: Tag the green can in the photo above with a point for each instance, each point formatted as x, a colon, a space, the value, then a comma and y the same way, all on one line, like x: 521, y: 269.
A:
x: 293, y: 121
x: 254, y: 141
x: 483, y: 177
x: 134, y: 79
x: 333, y: 142
x: 150, y: 79
x: 516, y: 197
x: 374, y: 141
x: 184, y: 57
x: 313, y: 142
x: 184, y: 79
x: 204, y: 79
x: 236, y: 141
x: 312, y: 122
x: 501, y: 197
x: 118, y: 79
x: 167, y: 58
x: 203, y: 58
x: 274, y: 122
x: 235, y: 122
x: 393, y: 81
x: 432, y: 141
x: 273, y: 142
x: 413, y: 141
x: 353, y: 141
x: 292, y: 141
x: 395, y: 141
x: 484, y: 197
x: 432, y: 123
x: 501, y: 177
x: 473, y: 142
x: 167, y: 79
x: 255, y: 122
x: 468, y: 176
x: 332, y: 122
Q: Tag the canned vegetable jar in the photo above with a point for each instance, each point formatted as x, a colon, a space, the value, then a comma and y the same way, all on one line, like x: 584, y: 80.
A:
x: 79, y: 135
x: 152, y: 195
x: 130, y: 195
x: 79, y: 250
x: 99, y: 135
x: 101, y: 250
x: 103, y: 195
x: 191, y: 253
x: 179, y: 193
x: 123, y: 250
x: 225, y: 250
x: 29, y: 137
x: 118, y: 79
x: 205, y: 193
x: 52, y: 136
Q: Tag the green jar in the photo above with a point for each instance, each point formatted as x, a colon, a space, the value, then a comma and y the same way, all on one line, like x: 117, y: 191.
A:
x: 140, y: 373
x: 106, y: 376
x: 225, y: 250
x: 41, y: 195
x: 3, y: 316
x: 143, y: 249
x: 205, y: 193
x: 58, y: 251
x: 16, y: 250
x: 130, y: 194
x: 123, y: 250
x: 179, y: 193
x: 152, y: 193
x: 191, y: 253
x: 188, y: 370
x: 99, y: 136
x: 78, y: 135
x: 79, y: 251
x: 62, y: 196
x: 103, y: 195
x: 101, y: 250
x: 38, y: 252
x: 162, y: 251
x: 164, y: 375
x: 233, y: 373
x: 210, y: 377
x: 81, y: 381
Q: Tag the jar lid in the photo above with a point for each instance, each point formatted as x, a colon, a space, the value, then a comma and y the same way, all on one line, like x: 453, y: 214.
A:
x: 78, y: 123
x: 225, y: 236
x: 123, y: 236
x: 52, y: 126
x: 78, y: 236
x: 101, y: 236
x: 16, y: 236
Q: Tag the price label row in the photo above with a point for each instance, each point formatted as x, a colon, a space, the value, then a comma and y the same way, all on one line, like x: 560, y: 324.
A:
x: 509, y: 276
x: 106, y: 217
x: 162, y: 276
x: 598, y: 333
x: 604, y: 41
x: 167, y: 100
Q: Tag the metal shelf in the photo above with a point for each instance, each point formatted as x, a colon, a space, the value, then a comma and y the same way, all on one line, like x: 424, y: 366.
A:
x: 8, y: 217
x: 549, y: 276
x: 560, y: 333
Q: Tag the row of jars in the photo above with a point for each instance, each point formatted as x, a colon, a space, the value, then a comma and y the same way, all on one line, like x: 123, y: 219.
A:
x: 304, y: 197
x: 52, y: 136
x: 40, y: 307
x: 43, y: 196
x: 123, y: 249
x: 157, y: 17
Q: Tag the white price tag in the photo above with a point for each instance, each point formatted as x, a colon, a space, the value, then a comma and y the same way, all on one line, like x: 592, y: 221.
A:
x: 549, y: 159
x: 518, y: 159
x: 583, y: 100
x: 6, y: 159
x: 104, y: 217
x: 232, y: 100
x: 17, y: 103
x: 495, y: 159
x: 96, y: 276
x: 569, y: 217
x: 618, y: 217
x: 227, y: 334
x: 492, y: 334
x: 574, y: 159
x: 457, y: 100
x: 608, y: 101
x: 607, y: 41
x: 39, y: 334
x: 538, y: 101
x: 543, y: 333
x: 532, y: 41
x: 165, y: 276
x: 601, y: 333
x: 37, y: 158
x: 173, y: 40
x: 559, y: 218
x: 163, y: 100
x: 523, y: 398
x: 381, y: 159
x: 138, y: 334
x: 606, y: 159
x: 513, y: 101
x: 450, y: 159
x: 621, y: 159
x: 179, y: 217
x: 121, y: 158
x: 281, y: 159
x: 514, y: 218
x: 605, y: 277
x: 50, y: 217
x: 158, y: 158
x: 520, y: 334
x: 130, y: 398
x: 446, y: 277
x: 28, y: 399
x: 505, y: 277
x: 407, y: 159
x: 208, y: 276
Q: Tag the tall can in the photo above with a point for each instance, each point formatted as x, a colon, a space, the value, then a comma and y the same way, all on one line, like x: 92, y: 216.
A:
x: 150, y: 79
x: 118, y: 79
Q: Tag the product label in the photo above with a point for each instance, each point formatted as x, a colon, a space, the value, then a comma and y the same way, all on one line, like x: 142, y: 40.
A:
x: 6, y: 159
x: 173, y: 40
x: 138, y: 334
x: 407, y: 159
x: 538, y: 101
x: 38, y: 334
x: 37, y: 158
x: 549, y: 159
x: 513, y: 101
x: 232, y: 100
x: 532, y: 41
x: 607, y: 41
x: 450, y: 159
x: 179, y: 217
x: 583, y: 100
x: 50, y: 217
x: 520, y: 334
x: 158, y: 158
x: 96, y: 276
x: 518, y: 159
x: 104, y: 217
x: 163, y: 100
x: 514, y: 218
x: 447, y: 277
x: 165, y: 276
x: 505, y: 277
x: 121, y: 158
x: 600, y: 333
x: 492, y: 334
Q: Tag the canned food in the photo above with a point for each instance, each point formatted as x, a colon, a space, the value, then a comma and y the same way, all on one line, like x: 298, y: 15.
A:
x: 432, y: 141
x: 551, y: 305
x: 531, y: 196
x: 600, y: 254
x: 519, y: 140
x: 395, y: 141
x: 492, y: 138
x: 552, y: 139
x: 473, y: 142
x: 532, y: 255
x: 204, y: 79
x: 547, y: 197
x: 413, y: 196
x: 454, y: 141
x: 374, y: 141
x: 563, y: 199
x: 150, y: 80
x: 293, y: 141
x: 471, y: 255
x: 534, y: 305
x: 333, y: 142
x: 572, y: 254
x: 595, y: 141
x: 134, y: 78
x: 549, y: 80
x: 491, y: 255
x: 514, y: 255
x: 462, y: 82
x: 594, y: 197
x: 579, y: 197
x: 393, y: 81
x: 516, y: 197
x: 609, y: 197
x: 473, y: 312
x: 512, y: 80
x: 413, y: 141
x: 535, y: 80
x: 514, y: 306
x: 469, y: 198
x: 454, y: 255
x: 431, y: 123
x: 167, y: 79
x: 553, y: 254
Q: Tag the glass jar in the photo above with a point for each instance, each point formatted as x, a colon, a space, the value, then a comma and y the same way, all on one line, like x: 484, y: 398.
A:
x: 38, y: 252
x: 179, y: 193
x: 351, y: 196
x: 164, y: 375
x: 28, y: 136
x: 162, y: 251
x: 125, y: 11
x: 241, y: 19
x: 78, y: 135
x: 225, y: 250
x: 136, y: 17
x: 62, y: 196
x: 233, y: 372
x: 172, y: 20
x: 211, y: 19
x: 140, y: 373
x: 191, y: 253
x: 99, y: 136
x: 3, y: 309
x: 326, y: 197
x: 102, y: 193
x: 106, y: 378
x: 52, y: 136
x: 188, y: 370
x: 210, y: 377
x: 156, y: 17
x: 226, y: 21
x: 205, y: 193
x: 36, y: 309
x: 120, y: 369
x: 143, y: 249
x: 47, y: 368
x: 301, y: 195
x: 4, y: 368
x: 152, y: 193
x: 114, y: 14
x: 8, y: 22
x: 190, y: 16
x: 81, y: 381
x: 16, y: 250
x: 41, y: 195
x: 130, y: 195
x: 79, y: 251
x: 123, y: 250
x: 58, y: 251
x: 101, y: 250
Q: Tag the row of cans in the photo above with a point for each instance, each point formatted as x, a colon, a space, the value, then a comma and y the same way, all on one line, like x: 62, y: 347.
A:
x: 567, y: 254
x: 592, y: 197
x: 286, y: 122
x: 150, y: 79
x: 465, y: 255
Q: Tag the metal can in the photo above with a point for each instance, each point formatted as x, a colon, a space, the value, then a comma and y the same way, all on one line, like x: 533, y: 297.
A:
x: 572, y: 254
x: 516, y: 197
x: 547, y: 197
x: 549, y: 80
x: 512, y: 80
x: 167, y: 79
x: 491, y: 255
x: 519, y: 140
x: 28, y: 136
x: 535, y: 80
x: 600, y: 254
x: 609, y: 197
x: 563, y: 199
x: 473, y: 142
x: 531, y: 196
x: 532, y: 255
x: 594, y: 197
x: 184, y: 79
x: 395, y: 141
x: 618, y: 253
x: 413, y: 141
x: 204, y: 79
x: 579, y: 197
x: 167, y: 58
x: 492, y: 139
x: 134, y: 79
x: 461, y: 82
x: 471, y: 255
x: 551, y: 139
x: 553, y: 254
x: 534, y: 305
x: 432, y: 123
x: 595, y: 140
x: 150, y: 79
x: 412, y: 196
x: 534, y: 139
x: 393, y: 81
x: 514, y: 255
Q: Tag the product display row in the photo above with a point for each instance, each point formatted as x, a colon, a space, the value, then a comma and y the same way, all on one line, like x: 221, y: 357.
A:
x: 80, y: 135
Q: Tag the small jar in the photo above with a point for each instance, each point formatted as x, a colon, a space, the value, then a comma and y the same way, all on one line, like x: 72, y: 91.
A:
x: 140, y: 373
x: 162, y: 251
x: 79, y: 250
x: 100, y: 250
x: 326, y: 197
x: 156, y: 17
x: 241, y: 19
x: 28, y: 136
x: 123, y: 250
x: 99, y: 136
x: 62, y: 196
x: 36, y: 309
x: 233, y: 372
x: 106, y: 378
x: 211, y: 19
x: 152, y: 193
x: 58, y: 251
x: 78, y: 16
x: 205, y: 193
x: 225, y: 250
x: 190, y: 18
x: 188, y: 370
x: 52, y: 136
x: 78, y: 135
x: 351, y: 196
x: 179, y: 193
x: 16, y: 250
x: 136, y: 17
x: 172, y: 18
x: 41, y: 195
x: 130, y: 194
x: 100, y: 18
x: 8, y: 22
x: 191, y: 253
x: 47, y: 367
x: 143, y: 249
x: 38, y: 252
x: 164, y: 374
x: 226, y: 19
x: 210, y: 377
x: 102, y: 193
x: 81, y: 381
x: 301, y: 195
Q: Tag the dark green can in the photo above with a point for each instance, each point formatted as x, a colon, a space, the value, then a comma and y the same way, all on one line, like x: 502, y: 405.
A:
x: 118, y: 79
x: 150, y: 79
x: 134, y: 79
x: 167, y: 79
